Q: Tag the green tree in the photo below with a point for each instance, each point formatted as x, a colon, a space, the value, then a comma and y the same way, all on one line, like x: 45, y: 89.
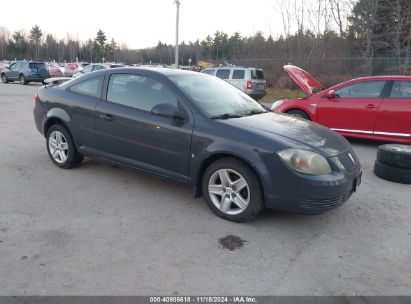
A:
x: 100, y: 45
x: 35, y: 36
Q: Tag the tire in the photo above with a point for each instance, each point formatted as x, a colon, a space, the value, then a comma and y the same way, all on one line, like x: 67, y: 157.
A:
x: 23, y: 80
x: 393, y: 174
x: 395, y: 155
x: 43, y: 73
x: 299, y: 113
x: 59, y: 141
x: 4, y: 78
x: 232, y: 203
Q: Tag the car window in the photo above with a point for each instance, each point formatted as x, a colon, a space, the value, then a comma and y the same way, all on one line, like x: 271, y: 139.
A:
x: 223, y: 73
x: 216, y: 97
x: 98, y: 67
x: 366, y: 89
x: 13, y: 66
x: 238, y: 74
x: 401, y: 89
x: 87, y: 69
x: 139, y: 92
x: 37, y: 65
x: 209, y: 72
x: 17, y: 66
x: 89, y: 87
x: 257, y: 74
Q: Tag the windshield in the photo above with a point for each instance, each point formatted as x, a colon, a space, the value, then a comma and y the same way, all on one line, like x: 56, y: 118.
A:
x: 216, y: 97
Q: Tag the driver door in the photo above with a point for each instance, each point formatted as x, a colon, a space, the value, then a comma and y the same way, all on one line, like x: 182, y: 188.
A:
x: 353, y: 108
x: 128, y: 132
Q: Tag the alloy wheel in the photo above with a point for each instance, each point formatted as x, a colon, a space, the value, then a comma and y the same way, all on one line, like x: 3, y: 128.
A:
x: 229, y: 191
x: 58, y: 147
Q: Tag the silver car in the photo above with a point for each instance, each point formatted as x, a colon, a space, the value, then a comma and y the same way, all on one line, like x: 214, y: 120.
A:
x: 96, y: 67
x: 249, y: 80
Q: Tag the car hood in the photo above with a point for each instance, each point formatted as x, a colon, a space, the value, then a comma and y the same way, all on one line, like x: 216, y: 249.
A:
x: 306, y: 133
x: 305, y: 81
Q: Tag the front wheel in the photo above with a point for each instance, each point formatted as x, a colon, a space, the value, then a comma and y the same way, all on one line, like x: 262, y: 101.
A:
x: 4, y: 78
x: 232, y: 190
x: 299, y: 114
x: 61, y: 148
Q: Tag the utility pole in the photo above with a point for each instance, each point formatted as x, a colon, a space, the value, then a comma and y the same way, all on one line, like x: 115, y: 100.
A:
x: 177, y: 2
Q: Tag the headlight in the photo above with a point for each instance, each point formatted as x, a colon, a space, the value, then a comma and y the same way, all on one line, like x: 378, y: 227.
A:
x: 276, y: 104
x: 305, y: 161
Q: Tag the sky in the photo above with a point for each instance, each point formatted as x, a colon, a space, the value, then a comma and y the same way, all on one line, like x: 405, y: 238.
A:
x: 141, y: 24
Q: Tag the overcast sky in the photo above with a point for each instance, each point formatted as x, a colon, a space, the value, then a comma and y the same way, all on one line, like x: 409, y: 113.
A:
x: 142, y: 24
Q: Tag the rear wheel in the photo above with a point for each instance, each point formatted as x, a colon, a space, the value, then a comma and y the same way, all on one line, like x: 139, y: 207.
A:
x: 23, y: 80
x: 61, y: 148
x: 232, y: 190
x: 4, y: 78
x: 299, y: 114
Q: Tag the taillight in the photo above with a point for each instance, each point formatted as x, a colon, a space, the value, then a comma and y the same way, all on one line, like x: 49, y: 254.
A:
x: 36, y: 98
x: 249, y: 84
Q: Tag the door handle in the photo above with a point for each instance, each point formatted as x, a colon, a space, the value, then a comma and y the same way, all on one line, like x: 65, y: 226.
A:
x: 107, y: 117
x: 370, y: 106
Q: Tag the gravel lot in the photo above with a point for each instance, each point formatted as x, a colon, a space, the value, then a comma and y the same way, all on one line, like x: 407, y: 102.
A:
x: 105, y: 230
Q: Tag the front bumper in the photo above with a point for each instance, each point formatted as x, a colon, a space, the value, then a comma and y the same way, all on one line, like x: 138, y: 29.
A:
x: 294, y: 192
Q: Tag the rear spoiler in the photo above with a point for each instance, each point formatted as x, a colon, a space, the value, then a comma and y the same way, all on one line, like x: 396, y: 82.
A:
x: 50, y: 82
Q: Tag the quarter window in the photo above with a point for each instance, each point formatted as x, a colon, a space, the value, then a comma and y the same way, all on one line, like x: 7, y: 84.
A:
x: 367, y: 89
x: 223, y: 73
x: 401, y: 89
x: 139, y: 92
x: 90, y: 87
x: 238, y: 74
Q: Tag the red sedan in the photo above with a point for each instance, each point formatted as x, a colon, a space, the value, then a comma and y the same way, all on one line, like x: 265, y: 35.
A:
x: 375, y: 107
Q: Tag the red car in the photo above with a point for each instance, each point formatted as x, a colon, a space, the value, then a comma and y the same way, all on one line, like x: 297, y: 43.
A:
x: 375, y: 107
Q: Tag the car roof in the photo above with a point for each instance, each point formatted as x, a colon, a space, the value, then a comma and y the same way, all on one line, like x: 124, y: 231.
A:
x: 383, y: 77
x: 231, y: 68
x: 162, y: 71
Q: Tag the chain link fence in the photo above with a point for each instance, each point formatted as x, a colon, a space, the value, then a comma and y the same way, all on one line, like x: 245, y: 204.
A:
x: 329, y: 71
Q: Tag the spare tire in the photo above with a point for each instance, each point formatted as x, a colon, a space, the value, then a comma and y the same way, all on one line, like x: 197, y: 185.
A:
x: 394, y: 174
x: 43, y: 73
x: 395, y: 155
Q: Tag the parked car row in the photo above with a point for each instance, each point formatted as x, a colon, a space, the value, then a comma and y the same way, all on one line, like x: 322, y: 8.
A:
x: 32, y: 71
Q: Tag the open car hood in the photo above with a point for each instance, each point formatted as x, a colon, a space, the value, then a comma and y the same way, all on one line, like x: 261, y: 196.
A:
x: 305, y: 81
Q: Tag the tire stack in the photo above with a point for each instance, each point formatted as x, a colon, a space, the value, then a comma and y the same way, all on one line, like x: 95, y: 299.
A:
x: 394, y: 163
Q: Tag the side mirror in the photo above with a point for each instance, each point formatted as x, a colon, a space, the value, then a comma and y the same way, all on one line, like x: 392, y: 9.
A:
x: 331, y: 94
x: 168, y: 110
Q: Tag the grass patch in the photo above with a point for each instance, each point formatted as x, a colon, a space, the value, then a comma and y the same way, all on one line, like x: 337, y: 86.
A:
x: 279, y: 94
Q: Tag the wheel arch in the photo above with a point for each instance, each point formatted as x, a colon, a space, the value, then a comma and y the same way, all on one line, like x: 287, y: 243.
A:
x: 309, y: 113
x: 197, y: 187
x: 56, y: 116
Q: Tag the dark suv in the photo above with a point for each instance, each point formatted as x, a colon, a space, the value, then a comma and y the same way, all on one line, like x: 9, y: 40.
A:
x: 25, y: 72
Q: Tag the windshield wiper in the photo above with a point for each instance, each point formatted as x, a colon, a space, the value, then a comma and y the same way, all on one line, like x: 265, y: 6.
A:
x: 255, y: 112
x: 226, y: 116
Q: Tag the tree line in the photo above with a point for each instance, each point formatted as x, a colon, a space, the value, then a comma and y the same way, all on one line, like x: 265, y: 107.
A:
x: 330, y: 38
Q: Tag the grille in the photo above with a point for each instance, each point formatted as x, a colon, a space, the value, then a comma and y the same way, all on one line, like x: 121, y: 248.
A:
x: 324, y: 203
